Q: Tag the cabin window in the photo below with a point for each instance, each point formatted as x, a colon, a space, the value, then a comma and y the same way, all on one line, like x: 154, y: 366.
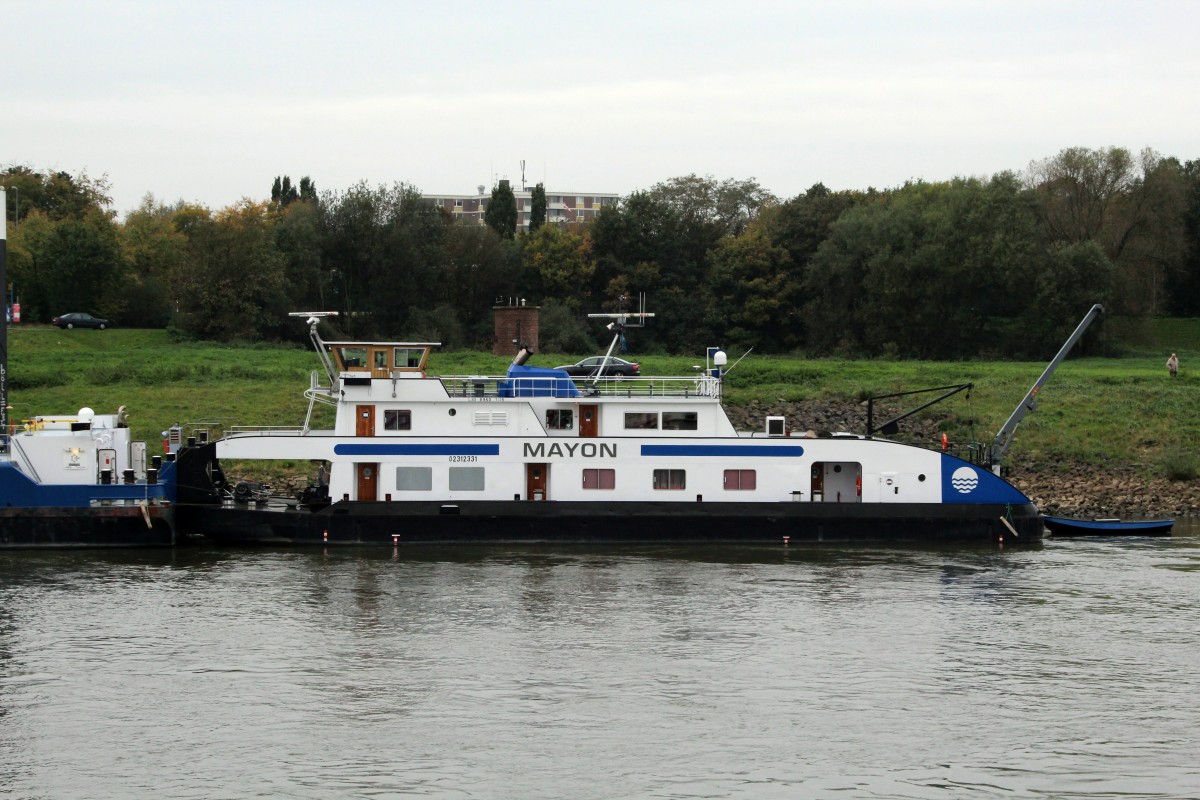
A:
x: 414, y: 479
x: 409, y: 357
x: 641, y: 420
x: 679, y: 420
x: 466, y: 479
x: 397, y: 420
x: 670, y: 479
x: 560, y: 419
x: 599, y: 479
x: 744, y: 480
x: 352, y: 357
x: 380, y: 359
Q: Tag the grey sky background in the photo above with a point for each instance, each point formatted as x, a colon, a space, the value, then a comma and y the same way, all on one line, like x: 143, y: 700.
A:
x: 209, y: 101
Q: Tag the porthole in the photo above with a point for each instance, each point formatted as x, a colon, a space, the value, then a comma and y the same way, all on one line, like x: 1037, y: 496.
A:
x: 453, y: 412
x: 921, y: 477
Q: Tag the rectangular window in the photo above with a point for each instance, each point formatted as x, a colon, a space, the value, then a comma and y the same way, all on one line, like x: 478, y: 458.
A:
x: 466, y: 479
x: 414, y: 479
x: 679, y: 420
x: 641, y: 420
x: 560, y: 419
x: 458, y: 204
x: 409, y: 357
x: 670, y: 479
x: 599, y: 479
x: 352, y: 357
x: 740, y: 480
x: 395, y: 420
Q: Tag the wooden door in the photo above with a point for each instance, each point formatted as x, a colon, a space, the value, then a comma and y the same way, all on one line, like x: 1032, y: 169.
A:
x: 537, y: 479
x: 368, y: 479
x: 365, y: 423
x: 589, y: 424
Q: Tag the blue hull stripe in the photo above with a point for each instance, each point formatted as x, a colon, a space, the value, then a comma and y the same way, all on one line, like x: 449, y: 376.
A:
x: 691, y: 450
x: 417, y: 449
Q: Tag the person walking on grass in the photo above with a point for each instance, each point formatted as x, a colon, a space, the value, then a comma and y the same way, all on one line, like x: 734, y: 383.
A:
x: 1173, y: 365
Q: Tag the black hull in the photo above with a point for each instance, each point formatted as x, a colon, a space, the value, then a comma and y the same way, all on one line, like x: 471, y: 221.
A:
x: 481, y: 522
x: 95, y: 526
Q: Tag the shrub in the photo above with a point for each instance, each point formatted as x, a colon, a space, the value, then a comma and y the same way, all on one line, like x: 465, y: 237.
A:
x: 1178, y: 464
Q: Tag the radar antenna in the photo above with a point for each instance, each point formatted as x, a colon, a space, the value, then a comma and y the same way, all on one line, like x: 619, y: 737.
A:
x: 620, y: 322
x: 313, y: 319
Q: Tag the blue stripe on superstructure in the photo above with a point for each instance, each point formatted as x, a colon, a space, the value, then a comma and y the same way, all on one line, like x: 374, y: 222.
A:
x: 760, y: 450
x: 417, y: 449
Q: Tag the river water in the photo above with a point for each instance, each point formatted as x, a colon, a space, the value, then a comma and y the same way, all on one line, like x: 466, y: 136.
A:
x: 1070, y: 670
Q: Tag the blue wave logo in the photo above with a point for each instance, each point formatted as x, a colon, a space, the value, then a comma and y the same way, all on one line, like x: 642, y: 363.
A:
x: 964, y: 480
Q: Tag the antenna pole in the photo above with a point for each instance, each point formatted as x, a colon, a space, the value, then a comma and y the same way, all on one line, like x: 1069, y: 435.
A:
x: 4, y: 326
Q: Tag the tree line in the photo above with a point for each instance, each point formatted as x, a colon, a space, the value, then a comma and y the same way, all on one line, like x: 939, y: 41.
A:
x: 1000, y: 267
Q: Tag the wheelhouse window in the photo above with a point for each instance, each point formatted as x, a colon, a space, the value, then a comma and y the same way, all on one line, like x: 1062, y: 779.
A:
x: 397, y: 420
x: 560, y: 419
x: 679, y: 421
x: 744, y: 480
x: 466, y: 479
x: 409, y: 357
x: 414, y: 479
x: 641, y: 420
x: 352, y: 357
x: 670, y: 479
x: 599, y: 479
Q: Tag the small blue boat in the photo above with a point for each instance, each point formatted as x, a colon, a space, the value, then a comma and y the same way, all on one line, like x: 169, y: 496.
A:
x: 1063, y: 526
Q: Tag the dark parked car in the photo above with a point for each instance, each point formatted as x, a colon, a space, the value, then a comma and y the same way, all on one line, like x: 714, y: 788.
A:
x: 80, y: 320
x: 590, y: 366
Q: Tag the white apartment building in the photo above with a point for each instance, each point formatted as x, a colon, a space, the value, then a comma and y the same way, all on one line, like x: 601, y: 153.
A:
x: 561, y: 207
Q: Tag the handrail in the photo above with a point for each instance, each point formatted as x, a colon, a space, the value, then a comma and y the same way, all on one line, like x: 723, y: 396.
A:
x: 693, y: 386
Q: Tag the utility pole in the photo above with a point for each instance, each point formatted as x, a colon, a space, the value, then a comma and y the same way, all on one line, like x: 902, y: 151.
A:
x: 4, y: 327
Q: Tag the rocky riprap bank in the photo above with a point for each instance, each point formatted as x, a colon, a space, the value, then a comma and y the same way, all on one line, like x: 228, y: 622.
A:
x: 1125, y: 491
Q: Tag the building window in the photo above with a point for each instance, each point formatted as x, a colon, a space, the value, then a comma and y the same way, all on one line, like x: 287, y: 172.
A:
x: 560, y: 419
x: 466, y: 479
x: 599, y: 479
x: 670, y: 479
x: 740, y: 480
x: 679, y: 420
x: 396, y: 420
x: 641, y: 420
x: 414, y: 479
x: 458, y: 204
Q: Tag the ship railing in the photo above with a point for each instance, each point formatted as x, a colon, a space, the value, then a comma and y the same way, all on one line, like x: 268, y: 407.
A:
x: 489, y: 386
x: 264, y: 430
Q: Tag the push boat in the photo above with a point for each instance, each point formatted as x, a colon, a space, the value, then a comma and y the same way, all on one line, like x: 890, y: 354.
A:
x: 1065, y: 526
x: 536, y: 456
x: 79, y: 481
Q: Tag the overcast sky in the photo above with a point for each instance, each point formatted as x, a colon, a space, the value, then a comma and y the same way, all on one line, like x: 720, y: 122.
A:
x: 208, y: 101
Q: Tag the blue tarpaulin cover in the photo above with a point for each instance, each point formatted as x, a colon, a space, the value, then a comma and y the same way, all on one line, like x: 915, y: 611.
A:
x: 525, y: 381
